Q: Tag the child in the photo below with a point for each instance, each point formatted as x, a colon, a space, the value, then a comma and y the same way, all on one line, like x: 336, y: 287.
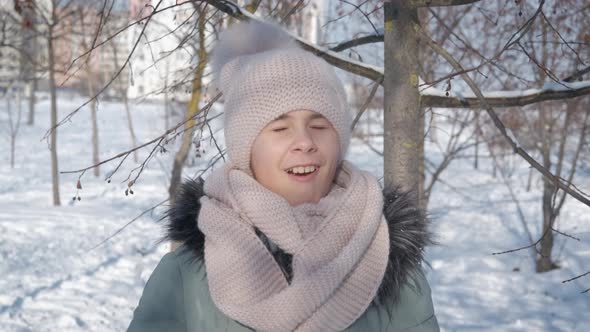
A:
x: 287, y: 236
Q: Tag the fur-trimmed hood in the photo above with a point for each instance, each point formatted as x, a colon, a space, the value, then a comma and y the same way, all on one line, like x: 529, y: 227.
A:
x: 408, y: 235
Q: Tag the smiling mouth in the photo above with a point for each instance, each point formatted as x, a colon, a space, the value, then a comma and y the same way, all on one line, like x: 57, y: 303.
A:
x: 302, y: 170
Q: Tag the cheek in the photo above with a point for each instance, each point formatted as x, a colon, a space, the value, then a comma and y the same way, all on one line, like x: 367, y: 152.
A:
x: 331, y: 147
x: 264, y: 157
x: 257, y: 158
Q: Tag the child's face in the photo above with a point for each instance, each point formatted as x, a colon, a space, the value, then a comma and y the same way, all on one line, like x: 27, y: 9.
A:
x: 296, y: 156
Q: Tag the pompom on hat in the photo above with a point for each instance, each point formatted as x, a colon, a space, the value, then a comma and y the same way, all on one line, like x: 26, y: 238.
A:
x: 263, y: 74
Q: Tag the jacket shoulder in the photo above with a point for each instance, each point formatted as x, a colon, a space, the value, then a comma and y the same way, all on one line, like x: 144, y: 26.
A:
x: 176, y: 298
x: 161, y: 307
x: 414, y: 314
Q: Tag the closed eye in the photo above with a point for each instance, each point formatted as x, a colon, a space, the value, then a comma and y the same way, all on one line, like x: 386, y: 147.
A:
x: 319, y: 127
x: 277, y: 130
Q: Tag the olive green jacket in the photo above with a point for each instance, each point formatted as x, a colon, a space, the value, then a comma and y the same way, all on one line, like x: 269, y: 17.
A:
x: 176, y: 297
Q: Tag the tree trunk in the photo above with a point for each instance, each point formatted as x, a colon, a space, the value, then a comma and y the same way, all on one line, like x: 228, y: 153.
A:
x: 544, y: 261
x: 12, y: 126
x: 166, y: 116
x: 95, y: 145
x: 477, y: 138
x: 529, y: 181
x: 19, y: 109
x: 12, y: 148
x: 28, y: 61
x: 130, y: 125
x: 166, y: 106
x: 401, y: 110
x: 422, y: 194
x: 124, y: 91
x: 192, y: 109
x: 94, y: 120
x: 53, y: 124
x: 33, y: 89
x: 90, y: 76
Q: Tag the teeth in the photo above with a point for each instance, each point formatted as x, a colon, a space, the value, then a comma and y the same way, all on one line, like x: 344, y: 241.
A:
x: 302, y: 169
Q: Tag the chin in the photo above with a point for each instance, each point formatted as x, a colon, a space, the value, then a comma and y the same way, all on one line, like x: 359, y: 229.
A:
x: 308, y: 199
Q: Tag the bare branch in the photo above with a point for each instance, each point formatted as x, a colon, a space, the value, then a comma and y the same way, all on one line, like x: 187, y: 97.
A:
x: 157, y: 139
x: 583, y: 132
x: 510, y: 99
x: 366, y: 104
x: 519, y: 210
x: 438, y: 3
x: 290, y: 12
x: 578, y: 277
x: 358, y: 8
x: 371, y: 72
x: 513, y: 40
x: 532, y: 245
x: 71, y: 114
x: 498, y: 123
x: 127, y: 224
x: 374, y: 38
x: 376, y: 73
x: 576, y: 76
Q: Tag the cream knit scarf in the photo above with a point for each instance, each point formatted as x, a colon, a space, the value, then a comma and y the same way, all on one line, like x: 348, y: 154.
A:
x: 340, y: 249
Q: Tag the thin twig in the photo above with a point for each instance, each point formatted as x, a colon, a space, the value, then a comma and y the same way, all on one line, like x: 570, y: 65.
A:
x: 127, y: 224
x: 366, y: 104
x: 578, y: 277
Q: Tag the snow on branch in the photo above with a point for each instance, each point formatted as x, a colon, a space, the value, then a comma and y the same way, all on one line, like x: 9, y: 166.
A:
x: 358, y: 68
x: 432, y: 97
x: 438, y: 3
x: 374, y: 73
x: 370, y: 39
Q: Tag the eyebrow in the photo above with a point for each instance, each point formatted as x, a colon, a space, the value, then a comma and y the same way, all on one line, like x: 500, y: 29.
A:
x: 285, y: 116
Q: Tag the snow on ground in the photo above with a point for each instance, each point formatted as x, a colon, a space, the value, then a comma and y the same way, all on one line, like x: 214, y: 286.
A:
x: 53, y: 279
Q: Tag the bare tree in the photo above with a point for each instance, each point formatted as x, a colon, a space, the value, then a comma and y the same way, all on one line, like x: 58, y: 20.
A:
x: 551, y: 116
x: 29, y: 62
x: 402, y: 126
x: 415, y: 32
x: 84, y: 15
x: 50, y: 23
x: 193, y: 106
x: 14, y: 119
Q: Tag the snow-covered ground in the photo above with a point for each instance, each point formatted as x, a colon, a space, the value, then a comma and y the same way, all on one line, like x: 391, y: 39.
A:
x: 54, y: 279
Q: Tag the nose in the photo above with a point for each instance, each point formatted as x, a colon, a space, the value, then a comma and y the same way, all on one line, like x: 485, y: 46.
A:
x: 303, y: 141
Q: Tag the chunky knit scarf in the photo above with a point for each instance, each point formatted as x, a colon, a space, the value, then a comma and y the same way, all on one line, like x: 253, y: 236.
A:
x: 340, y: 248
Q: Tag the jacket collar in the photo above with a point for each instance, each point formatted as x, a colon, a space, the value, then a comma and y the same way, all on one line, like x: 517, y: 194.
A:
x: 408, y: 235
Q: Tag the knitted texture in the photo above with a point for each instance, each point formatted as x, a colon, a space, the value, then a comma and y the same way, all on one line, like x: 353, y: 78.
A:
x: 340, y: 249
x: 263, y: 75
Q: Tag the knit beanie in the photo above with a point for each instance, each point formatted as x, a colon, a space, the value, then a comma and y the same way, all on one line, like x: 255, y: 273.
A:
x: 263, y: 74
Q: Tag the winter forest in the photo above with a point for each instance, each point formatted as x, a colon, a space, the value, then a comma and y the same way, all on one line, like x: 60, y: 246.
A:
x: 480, y: 106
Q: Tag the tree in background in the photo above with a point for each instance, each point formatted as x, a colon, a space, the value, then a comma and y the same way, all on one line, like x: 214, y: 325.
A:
x: 29, y: 61
x: 193, y: 105
x: 14, y: 118
x: 52, y: 15
x: 437, y: 56
x: 536, y: 46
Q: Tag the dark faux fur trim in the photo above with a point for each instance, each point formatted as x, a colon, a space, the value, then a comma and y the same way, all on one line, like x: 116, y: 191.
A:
x: 408, y: 235
x: 182, y: 216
